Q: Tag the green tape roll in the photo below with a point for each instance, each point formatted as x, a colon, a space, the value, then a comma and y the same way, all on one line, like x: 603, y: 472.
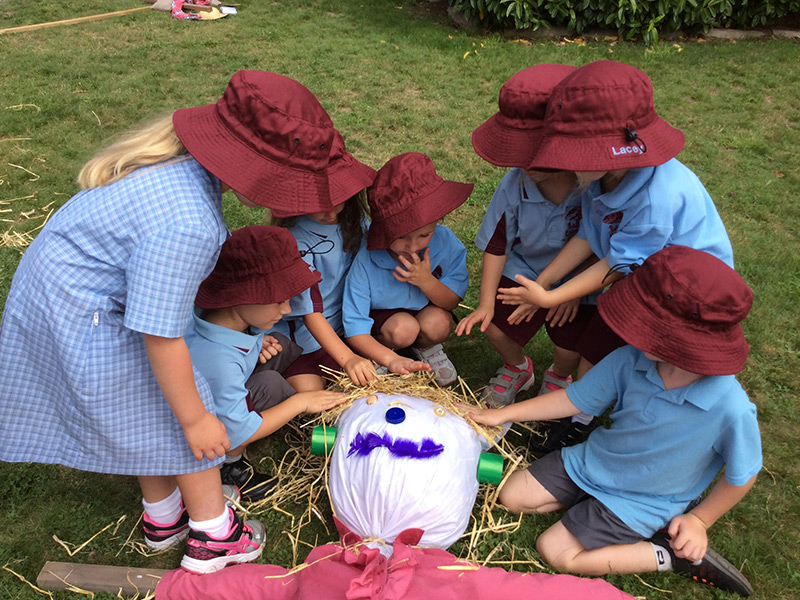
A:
x: 322, y: 439
x: 490, y: 468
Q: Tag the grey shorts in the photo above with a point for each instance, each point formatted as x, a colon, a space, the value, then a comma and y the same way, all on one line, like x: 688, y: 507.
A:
x: 588, y: 519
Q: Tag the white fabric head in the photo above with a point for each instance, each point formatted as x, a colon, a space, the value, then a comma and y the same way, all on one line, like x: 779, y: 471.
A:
x: 419, y: 471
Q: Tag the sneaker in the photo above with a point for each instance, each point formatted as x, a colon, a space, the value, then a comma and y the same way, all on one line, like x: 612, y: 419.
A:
x: 507, y: 383
x: 552, y: 382
x: 252, y: 484
x: 442, y: 368
x: 244, y: 543
x: 159, y: 536
x: 554, y: 435
x: 712, y: 570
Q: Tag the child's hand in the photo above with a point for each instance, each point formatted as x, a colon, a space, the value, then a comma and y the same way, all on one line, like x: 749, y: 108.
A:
x: 689, y: 538
x: 404, y: 366
x: 360, y: 370
x: 207, y: 437
x: 563, y: 313
x: 480, y: 315
x: 417, y: 272
x: 270, y: 348
x: 483, y: 416
x: 315, y: 402
x: 523, y: 312
x: 529, y: 291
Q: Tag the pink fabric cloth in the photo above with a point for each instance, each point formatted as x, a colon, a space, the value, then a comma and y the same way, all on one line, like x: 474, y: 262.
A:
x: 351, y: 570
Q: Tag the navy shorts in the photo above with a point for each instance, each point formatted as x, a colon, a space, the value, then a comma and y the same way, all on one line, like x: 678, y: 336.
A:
x: 566, y: 336
x: 588, y: 519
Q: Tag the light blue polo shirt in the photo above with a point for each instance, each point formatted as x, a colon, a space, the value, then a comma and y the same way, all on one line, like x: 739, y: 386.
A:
x: 324, y: 253
x: 665, y: 447
x: 226, y: 359
x: 526, y: 227
x: 371, y: 284
x: 652, y: 208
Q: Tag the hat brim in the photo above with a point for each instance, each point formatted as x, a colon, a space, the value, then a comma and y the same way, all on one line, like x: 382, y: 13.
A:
x: 279, y: 287
x: 426, y: 209
x: 506, y: 146
x: 257, y: 177
x: 677, y: 341
x: 608, y: 153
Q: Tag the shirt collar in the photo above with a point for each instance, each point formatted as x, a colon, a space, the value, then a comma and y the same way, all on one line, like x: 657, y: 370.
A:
x: 630, y: 185
x: 243, y: 342
x: 703, y: 393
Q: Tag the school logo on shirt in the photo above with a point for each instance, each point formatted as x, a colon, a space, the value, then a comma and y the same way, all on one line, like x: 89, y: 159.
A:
x: 613, y: 220
x: 573, y: 218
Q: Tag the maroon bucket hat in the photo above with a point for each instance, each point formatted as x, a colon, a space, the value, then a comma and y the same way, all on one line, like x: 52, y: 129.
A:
x: 601, y: 118
x: 408, y: 194
x: 684, y: 306
x: 268, y: 138
x: 257, y: 265
x: 510, y: 137
x: 346, y: 177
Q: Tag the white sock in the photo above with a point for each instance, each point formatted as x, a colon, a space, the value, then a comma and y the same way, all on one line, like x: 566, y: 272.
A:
x: 582, y: 418
x: 164, y: 511
x: 663, y: 558
x: 523, y: 366
x: 232, y: 459
x: 218, y: 528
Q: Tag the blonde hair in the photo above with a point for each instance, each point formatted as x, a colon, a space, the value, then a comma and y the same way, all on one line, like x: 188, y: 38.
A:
x: 152, y: 143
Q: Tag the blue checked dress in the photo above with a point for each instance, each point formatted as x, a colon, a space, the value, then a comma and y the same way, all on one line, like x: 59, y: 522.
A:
x: 117, y: 261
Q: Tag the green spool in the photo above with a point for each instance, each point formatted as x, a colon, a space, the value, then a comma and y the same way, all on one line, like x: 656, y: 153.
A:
x: 490, y: 468
x: 322, y: 439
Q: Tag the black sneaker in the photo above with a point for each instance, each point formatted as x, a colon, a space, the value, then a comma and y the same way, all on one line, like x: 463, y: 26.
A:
x: 554, y: 435
x: 253, y: 485
x: 712, y: 570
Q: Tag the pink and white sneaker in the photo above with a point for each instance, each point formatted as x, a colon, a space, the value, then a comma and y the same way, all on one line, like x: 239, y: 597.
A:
x: 552, y: 382
x: 244, y: 543
x: 507, y: 383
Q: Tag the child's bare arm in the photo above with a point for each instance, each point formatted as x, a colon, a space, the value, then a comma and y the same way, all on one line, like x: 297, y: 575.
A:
x: 689, y: 531
x: 553, y: 405
x: 368, y: 346
x: 172, y: 366
x: 490, y: 278
x: 358, y: 368
x: 276, y: 417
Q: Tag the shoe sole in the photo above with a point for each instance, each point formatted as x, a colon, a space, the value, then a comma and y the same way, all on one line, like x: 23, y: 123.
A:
x: 213, y: 565
x: 169, y: 542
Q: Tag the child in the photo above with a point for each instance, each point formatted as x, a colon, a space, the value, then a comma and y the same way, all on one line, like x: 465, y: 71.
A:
x: 258, y: 271
x: 679, y: 416
x: 531, y: 216
x: 404, y: 284
x: 328, y: 241
x: 601, y: 123
x: 107, y: 287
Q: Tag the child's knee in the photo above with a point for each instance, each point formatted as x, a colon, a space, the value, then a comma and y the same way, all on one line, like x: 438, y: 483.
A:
x: 436, y: 325
x: 555, y: 552
x: 400, y: 333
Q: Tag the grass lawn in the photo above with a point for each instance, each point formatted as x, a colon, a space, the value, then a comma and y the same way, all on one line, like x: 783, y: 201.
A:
x: 396, y: 77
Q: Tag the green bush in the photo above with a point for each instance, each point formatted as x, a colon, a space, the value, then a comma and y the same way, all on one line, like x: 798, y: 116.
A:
x: 629, y: 18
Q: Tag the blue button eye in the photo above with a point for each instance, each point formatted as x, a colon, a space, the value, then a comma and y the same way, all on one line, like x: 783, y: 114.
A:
x: 395, y: 415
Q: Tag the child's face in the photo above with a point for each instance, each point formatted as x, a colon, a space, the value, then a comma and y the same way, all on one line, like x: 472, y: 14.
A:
x: 412, y: 243
x: 263, y: 316
x: 327, y: 218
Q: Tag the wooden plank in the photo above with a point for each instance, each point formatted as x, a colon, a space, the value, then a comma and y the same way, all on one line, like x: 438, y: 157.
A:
x: 98, y: 578
x: 117, y: 13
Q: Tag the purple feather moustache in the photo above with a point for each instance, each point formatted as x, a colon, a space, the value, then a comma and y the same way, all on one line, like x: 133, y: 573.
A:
x: 363, y: 444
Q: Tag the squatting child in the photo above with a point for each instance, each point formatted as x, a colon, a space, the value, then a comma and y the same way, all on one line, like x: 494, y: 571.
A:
x: 258, y: 271
x: 404, y: 284
x: 531, y: 216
